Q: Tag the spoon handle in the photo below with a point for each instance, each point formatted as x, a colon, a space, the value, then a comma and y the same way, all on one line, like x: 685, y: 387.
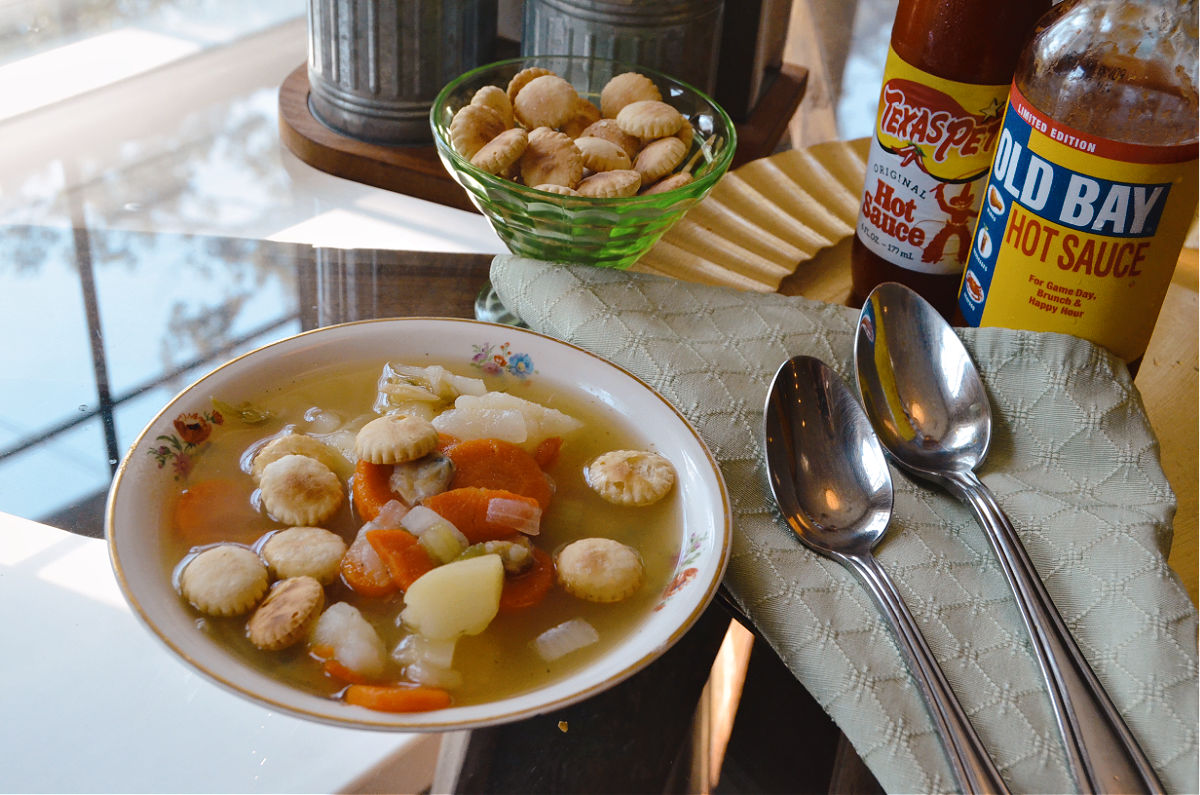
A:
x: 974, y: 769
x: 1100, y: 747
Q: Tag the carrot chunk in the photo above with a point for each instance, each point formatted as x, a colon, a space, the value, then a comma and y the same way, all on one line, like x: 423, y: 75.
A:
x: 467, y: 509
x: 405, y: 559
x: 546, y: 453
x: 207, y: 510
x: 497, y: 464
x: 371, y: 489
x: 529, y: 587
x: 365, y: 572
x: 397, y: 698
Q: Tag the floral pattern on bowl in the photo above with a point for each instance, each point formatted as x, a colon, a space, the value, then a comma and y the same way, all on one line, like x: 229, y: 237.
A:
x: 192, y: 429
x: 186, y: 426
x: 500, y: 359
x: 684, y: 572
x: 178, y: 449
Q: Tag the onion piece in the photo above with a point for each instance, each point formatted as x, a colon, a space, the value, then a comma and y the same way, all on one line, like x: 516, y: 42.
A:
x: 419, y: 519
x: 433, y: 676
x: 565, y: 638
x: 520, y: 515
x: 482, y: 423
x: 322, y: 421
x: 420, y: 649
x: 390, y: 517
x: 367, y: 560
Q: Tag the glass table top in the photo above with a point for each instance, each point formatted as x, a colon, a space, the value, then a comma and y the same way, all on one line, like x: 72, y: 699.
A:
x: 103, y: 328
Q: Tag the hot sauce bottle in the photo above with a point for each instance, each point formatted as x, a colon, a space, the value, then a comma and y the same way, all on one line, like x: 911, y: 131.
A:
x: 1094, y: 182
x: 945, y: 82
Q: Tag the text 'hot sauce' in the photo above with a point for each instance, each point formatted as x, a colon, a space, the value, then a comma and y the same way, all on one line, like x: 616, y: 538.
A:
x: 940, y: 111
x: 1093, y: 185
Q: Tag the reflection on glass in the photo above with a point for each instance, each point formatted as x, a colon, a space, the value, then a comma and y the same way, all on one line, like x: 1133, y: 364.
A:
x: 51, y: 50
x: 111, y: 326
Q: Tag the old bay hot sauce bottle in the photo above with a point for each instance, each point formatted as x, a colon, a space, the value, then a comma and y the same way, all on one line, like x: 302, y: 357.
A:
x: 1094, y: 182
x: 944, y: 87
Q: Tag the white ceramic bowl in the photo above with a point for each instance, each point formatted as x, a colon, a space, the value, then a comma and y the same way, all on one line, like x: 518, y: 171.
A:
x: 135, y: 516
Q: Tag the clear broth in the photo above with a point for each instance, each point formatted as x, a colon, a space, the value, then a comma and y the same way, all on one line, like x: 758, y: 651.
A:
x: 500, y: 662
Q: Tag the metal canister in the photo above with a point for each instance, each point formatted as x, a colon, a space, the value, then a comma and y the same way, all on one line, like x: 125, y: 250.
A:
x: 679, y: 37
x: 375, y: 66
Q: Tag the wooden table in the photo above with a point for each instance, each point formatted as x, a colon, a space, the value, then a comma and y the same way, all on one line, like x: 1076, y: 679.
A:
x: 1168, y: 383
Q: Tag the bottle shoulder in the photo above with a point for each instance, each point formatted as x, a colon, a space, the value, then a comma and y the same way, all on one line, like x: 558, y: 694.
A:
x: 1124, y: 70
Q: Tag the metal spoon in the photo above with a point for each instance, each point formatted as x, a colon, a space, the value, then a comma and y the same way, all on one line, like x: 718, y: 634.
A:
x: 831, y: 481
x: 928, y: 405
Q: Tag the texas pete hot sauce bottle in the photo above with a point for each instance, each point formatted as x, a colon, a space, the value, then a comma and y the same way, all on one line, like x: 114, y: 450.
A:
x: 945, y: 85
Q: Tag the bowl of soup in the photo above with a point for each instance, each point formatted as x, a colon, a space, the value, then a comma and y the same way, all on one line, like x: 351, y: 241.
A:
x: 418, y: 524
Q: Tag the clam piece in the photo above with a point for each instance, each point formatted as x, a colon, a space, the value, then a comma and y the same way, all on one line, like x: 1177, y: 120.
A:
x: 415, y: 480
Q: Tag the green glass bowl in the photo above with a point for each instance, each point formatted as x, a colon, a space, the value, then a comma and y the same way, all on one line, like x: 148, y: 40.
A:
x: 609, y: 233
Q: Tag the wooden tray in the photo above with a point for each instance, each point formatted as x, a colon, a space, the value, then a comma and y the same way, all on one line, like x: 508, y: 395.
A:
x: 417, y: 171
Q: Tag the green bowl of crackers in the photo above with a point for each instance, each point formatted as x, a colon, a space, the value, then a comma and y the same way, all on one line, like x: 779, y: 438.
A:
x: 577, y: 159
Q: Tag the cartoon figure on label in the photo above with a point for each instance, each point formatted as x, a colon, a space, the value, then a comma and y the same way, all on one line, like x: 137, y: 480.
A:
x: 959, y: 217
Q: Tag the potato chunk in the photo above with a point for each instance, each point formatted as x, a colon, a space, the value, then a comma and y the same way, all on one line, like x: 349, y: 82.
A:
x: 460, y: 598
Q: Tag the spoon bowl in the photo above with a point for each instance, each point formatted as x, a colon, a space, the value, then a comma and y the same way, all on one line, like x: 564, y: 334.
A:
x: 836, y: 502
x: 919, y: 386
x: 928, y: 404
x: 831, y: 480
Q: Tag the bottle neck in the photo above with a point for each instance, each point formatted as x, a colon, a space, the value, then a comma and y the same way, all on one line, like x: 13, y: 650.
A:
x: 1126, y: 70
x: 971, y: 41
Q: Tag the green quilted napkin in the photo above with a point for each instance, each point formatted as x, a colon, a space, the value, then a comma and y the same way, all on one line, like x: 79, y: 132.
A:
x: 1073, y: 462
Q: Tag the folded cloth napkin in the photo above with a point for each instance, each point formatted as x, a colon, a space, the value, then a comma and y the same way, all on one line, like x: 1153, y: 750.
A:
x: 1073, y: 462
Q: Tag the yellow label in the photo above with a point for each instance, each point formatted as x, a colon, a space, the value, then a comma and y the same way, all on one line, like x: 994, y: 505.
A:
x: 927, y: 167
x: 1078, y: 234
x: 947, y: 128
